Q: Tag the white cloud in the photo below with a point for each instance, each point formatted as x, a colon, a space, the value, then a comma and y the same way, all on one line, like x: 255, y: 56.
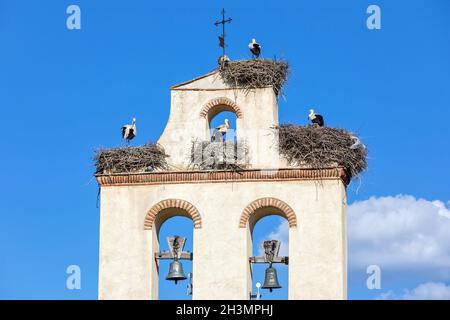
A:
x: 390, y: 295
x: 424, y: 291
x: 429, y: 291
x: 399, y: 232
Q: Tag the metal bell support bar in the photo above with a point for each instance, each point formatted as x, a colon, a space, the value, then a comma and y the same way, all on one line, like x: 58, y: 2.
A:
x: 271, y: 249
x: 176, y: 253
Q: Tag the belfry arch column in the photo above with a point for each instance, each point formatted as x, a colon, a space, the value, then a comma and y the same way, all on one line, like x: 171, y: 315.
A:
x: 154, y: 219
x: 259, y: 209
x: 317, y: 241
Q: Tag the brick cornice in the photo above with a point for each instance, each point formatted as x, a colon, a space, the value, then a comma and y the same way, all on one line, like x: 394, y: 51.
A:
x: 217, y: 176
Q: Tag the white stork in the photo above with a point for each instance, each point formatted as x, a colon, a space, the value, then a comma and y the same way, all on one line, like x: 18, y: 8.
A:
x: 315, y: 118
x: 255, y: 48
x: 129, y: 131
x: 356, y: 143
x: 222, y: 129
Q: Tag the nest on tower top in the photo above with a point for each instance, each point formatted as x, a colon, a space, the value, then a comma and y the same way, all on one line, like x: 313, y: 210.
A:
x: 319, y: 147
x: 255, y: 73
x: 146, y: 158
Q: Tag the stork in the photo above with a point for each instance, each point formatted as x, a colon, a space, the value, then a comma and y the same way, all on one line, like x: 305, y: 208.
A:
x: 129, y: 131
x: 222, y: 129
x: 356, y: 143
x: 316, y: 119
x: 255, y: 48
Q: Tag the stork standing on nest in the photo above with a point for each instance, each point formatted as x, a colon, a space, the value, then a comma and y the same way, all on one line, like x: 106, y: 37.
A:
x: 220, y: 132
x: 129, y: 131
x: 316, y: 119
x: 255, y: 48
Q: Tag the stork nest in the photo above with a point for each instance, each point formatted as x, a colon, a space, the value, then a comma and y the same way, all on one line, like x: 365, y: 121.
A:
x: 319, y: 147
x: 226, y: 155
x: 146, y: 158
x: 255, y: 73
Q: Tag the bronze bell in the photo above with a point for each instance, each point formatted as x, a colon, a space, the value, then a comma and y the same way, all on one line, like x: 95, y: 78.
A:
x: 271, y: 279
x: 176, y: 272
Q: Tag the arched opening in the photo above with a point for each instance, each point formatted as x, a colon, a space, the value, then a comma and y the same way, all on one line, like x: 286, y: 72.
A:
x: 270, y: 228
x: 169, y: 218
x: 168, y: 290
x: 216, y: 111
x: 268, y: 219
x: 220, y: 119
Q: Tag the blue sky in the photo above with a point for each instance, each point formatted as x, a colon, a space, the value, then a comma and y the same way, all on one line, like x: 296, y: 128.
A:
x: 64, y: 93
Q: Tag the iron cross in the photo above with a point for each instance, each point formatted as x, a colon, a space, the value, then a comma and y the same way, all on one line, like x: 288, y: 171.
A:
x: 222, y: 38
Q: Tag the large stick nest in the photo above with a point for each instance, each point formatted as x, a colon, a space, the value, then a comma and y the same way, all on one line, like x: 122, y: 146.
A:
x: 226, y: 155
x: 319, y: 147
x: 255, y: 73
x: 146, y: 158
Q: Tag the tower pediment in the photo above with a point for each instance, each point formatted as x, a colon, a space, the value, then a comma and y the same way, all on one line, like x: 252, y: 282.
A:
x: 209, y: 81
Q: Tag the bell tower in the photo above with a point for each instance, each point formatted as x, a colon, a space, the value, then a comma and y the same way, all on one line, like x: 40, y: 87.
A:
x: 223, y: 203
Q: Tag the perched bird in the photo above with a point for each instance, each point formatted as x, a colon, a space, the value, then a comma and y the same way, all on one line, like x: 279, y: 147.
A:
x: 220, y: 132
x: 129, y: 131
x: 315, y: 118
x: 255, y: 48
x: 223, y: 60
x: 356, y: 143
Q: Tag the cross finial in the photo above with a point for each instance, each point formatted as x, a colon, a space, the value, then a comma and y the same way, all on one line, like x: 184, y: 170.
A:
x: 222, y: 38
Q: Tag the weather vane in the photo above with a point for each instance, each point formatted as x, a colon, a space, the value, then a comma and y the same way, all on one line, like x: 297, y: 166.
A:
x: 222, y: 37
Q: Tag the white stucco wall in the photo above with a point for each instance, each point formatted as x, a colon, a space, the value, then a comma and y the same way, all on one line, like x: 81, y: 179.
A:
x: 317, y: 248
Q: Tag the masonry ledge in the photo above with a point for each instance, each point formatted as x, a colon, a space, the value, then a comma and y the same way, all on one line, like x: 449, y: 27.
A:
x: 217, y: 176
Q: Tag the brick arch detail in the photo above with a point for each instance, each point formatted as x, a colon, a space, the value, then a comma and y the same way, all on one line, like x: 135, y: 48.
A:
x: 221, y: 101
x: 268, y: 202
x: 172, y: 203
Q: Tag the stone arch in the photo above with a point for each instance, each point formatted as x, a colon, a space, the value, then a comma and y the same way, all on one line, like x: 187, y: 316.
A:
x: 217, y: 105
x: 270, y: 206
x: 185, y: 209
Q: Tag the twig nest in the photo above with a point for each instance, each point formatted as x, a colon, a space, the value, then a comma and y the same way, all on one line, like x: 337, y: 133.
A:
x: 319, y: 147
x: 146, y: 158
x: 226, y: 155
x: 255, y: 73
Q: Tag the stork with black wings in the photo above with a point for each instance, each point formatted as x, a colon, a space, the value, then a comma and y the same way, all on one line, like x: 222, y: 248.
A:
x: 255, y: 48
x: 129, y: 131
x: 316, y: 119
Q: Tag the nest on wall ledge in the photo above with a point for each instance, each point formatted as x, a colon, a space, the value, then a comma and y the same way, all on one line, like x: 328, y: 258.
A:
x: 146, y: 158
x: 319, y: 147
x: 226, y: 155
x: 255, y: 73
